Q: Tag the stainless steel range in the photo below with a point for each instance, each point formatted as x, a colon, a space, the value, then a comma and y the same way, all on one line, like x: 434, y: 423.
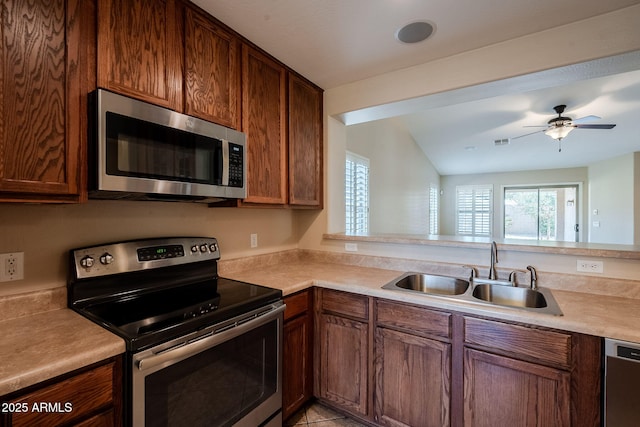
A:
x: 202, y: 350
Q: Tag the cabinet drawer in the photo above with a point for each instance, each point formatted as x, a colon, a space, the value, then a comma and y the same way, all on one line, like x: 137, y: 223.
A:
x: 417, y: 319
x: 351, y: 305
x: 519, y: 341
x: 296, y: 304
x: 104, y: 419
x: 77, y: 397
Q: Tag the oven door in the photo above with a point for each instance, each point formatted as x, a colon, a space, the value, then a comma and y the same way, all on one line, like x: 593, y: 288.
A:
x: 229, y: 374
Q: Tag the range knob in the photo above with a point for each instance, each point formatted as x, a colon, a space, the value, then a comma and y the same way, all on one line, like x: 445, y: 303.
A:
x: 106, y: 258
x: 213, y: 247
x: 194, y: 249
x: 87, y: 262
x: 203, y: 248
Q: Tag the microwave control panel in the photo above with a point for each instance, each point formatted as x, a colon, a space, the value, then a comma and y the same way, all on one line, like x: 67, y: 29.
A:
x: 236, y: 161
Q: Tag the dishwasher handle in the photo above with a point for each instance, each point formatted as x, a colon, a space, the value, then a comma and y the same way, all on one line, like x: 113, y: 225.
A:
x: 629, y: 353
x: 622, y: 350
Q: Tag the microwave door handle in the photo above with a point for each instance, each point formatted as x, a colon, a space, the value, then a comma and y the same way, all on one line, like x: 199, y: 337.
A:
x: 181, y: 352
x: 225, y: 162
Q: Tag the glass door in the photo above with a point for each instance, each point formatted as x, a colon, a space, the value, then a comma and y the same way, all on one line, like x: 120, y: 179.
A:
x: 541, y: 213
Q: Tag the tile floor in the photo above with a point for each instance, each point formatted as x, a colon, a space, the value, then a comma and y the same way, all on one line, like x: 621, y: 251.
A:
x: 317, y: 415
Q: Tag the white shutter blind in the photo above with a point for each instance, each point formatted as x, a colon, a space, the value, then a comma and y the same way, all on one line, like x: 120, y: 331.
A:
x: 356, y: 194
x: 433, y: 209
x: 474, y: 207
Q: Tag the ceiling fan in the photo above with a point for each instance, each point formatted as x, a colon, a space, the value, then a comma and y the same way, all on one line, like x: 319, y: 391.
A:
x: 559, y: 127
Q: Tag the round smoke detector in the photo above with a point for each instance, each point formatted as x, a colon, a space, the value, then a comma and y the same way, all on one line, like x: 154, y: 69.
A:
x: 415, y: 32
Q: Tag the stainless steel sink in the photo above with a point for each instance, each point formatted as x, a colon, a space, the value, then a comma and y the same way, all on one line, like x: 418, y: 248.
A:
x: 430, y: 284
x: 486, y: 292
x: 510, y: 295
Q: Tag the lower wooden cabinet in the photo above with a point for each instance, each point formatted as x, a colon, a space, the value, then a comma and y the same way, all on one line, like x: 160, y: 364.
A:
x: 89, y: 397
x: 342, y: 365
x: 397, y: 364
x: 516, y: 374
x: 297, y: 360
x: 344, y: 362
x: 500, y: 391
x: 413, y: 380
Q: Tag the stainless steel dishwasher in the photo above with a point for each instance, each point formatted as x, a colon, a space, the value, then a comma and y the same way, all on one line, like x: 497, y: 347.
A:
x: 622, y: 384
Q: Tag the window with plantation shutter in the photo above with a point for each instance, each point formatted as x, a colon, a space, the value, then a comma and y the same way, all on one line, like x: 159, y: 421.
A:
x: 433, y: 209
x: 357, y: 194
x: 474, y: 205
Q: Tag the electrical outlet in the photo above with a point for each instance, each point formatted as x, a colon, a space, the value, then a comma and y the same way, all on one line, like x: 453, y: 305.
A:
x: 254, y: 240
x: 351, y: 247
x: 11, y: 266
x: 590, y: 266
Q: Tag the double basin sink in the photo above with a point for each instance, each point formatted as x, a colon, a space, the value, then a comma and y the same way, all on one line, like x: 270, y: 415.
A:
x: 495, y: 293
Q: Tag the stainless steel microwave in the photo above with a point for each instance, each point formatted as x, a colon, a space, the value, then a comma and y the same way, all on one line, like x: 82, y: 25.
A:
x: 144, y: 152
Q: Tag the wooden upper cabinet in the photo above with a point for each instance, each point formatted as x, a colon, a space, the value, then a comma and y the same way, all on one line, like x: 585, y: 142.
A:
x: 264, y: 121
x: 305, y: 143
x: 42, y: 104
x: 140, y: 50
x: 212, y: 71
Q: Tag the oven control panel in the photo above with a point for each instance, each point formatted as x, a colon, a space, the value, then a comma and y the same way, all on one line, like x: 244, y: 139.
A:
x: 160, y: 252
x: 124, y: 257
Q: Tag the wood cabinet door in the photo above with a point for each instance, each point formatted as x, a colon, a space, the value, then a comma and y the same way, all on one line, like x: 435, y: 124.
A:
x: 344, y: 362
x: 212, y: 71
x: 499, y: 391
x: 92, y: 397
x: 413, y: 380
x: 305, y: 143
x: 297, y: 364
x: 42, y: 100
x: 265, y: 125
x: 140, y: 50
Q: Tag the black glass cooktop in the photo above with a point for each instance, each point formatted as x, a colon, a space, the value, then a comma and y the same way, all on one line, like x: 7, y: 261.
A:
x: 151, y: 318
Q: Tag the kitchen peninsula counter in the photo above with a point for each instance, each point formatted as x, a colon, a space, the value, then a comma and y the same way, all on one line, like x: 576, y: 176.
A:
x: 587, y: 313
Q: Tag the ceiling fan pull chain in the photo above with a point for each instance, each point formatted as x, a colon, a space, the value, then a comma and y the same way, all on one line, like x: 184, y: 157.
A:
x: 560, y: 145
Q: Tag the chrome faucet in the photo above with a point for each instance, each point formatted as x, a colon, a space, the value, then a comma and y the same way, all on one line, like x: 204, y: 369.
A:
x: 474, y: 272
x: 534, y: 277
x: 494, y: 260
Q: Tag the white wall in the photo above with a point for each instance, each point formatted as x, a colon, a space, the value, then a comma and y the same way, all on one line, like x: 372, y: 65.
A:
x: 400, y: 174
x: 498, y: 181
x: 611, y: 200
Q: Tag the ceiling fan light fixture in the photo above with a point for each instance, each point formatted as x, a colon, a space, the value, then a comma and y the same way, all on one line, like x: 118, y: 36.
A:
x: 559, y: 132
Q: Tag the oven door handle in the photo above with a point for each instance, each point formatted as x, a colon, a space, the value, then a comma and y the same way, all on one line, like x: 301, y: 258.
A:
x: 184, y: 351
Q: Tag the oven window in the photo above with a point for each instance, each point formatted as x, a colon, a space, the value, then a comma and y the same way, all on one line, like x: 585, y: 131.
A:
x: 218, y: 386
x: 142, y: 149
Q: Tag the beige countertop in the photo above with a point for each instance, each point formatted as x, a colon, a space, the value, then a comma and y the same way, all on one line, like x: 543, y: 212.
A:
x: 599, y: 315
x: 41, y: 346
x: 37, y: 347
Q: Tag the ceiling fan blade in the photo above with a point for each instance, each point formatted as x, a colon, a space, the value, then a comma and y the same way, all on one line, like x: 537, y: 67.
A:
x: 586, y: 119
x: 527, y: 134
x: 595, y: 126
x: 534, y: 126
